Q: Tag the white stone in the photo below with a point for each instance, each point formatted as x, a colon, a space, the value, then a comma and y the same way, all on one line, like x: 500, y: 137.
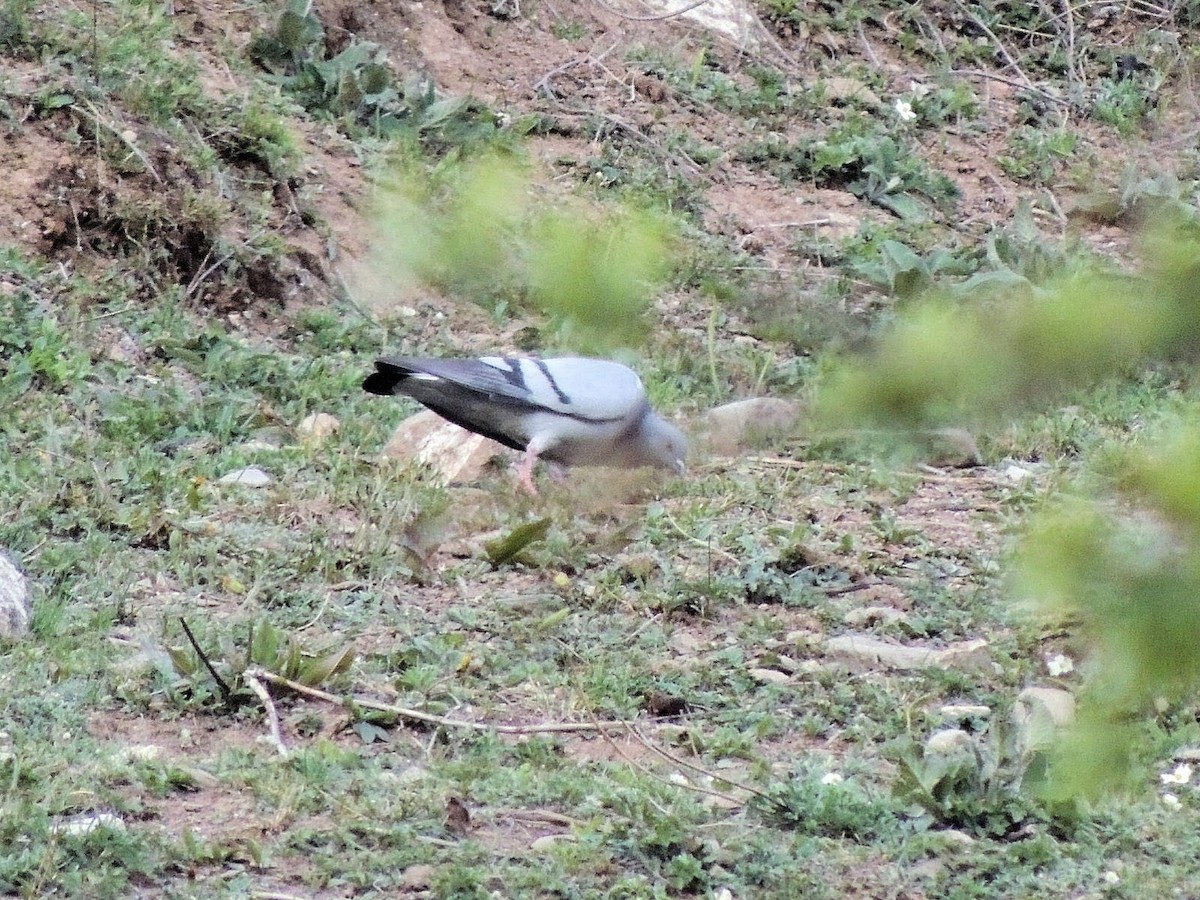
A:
x: 963, y: 710
x: 1039, y: 713
x: 733, y: 19
x: 455, y: 454
x: 251, y: 476
x: 770, y: 676
x: 547, y: 841
x: 15, y: 600
x: 1059, y: 704
x: 85, y: 823
x: 318, y: 426
x: 865, y: 615
x: 865, y: 650
x: 948, y: 740
x: 746, y: 423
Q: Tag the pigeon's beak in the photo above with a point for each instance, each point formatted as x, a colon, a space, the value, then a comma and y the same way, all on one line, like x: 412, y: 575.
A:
x: 680, y: 467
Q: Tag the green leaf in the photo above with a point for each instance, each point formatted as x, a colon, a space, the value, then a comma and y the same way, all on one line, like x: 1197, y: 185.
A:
x: 266, y: 642
x: 555, y: 619
x: 185, y: 662
x: 906, y: 207
x: 374, y: 78
x: 56, y: 101
x: 297, y: 31
x: 437, y: 113
x: 371, y: 733
x: 315, y: 671
x: 505, y: 549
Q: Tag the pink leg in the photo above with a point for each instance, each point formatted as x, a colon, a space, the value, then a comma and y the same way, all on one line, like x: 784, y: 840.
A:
x: 525, y: 471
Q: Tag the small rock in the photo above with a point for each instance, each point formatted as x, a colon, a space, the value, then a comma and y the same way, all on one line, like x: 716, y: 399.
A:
x: 926, y: 870
x: 954, y: 837
x: 842, y: 89
x: 318, y: 426
x: 686, y: 643
x: 412, y: 775
x: 950, y: 448
x: 1058, y: 704
x: 85, y: 823
x: 965, y: 656
x: 120, y: 346
x: 770, y: 676
x: 274, y: 437
x: 198, y: 779
x: 964, y: 711
x: 256, y: 445
x: 454, y: 453
x: 15, y: 599
x: 547, y: 841
x: 1017, y: 474
x: 734, y: 21
x: 417, y: 878
x: 747, y: 423
x: 948, y: 740
x: 875, y: 653
x: 1040, y: 713
x: 803, y: 637
x: 866, y: 615
x: 1060, y: 664
x: 251, y: 476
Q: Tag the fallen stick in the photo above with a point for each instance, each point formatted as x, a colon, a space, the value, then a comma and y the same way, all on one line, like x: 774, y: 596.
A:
x: 417, y: 715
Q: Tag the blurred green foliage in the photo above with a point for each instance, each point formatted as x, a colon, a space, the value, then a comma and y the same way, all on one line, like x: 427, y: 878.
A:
x: 1127, y: 570
x: 1120, y: 564
x: 483, y: 230
x: 952, y: 360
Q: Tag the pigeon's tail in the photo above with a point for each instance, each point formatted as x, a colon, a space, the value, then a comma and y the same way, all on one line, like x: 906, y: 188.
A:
x: 385, y: 378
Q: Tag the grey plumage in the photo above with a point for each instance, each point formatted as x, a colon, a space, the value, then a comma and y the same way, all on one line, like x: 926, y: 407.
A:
x: 570, y: 410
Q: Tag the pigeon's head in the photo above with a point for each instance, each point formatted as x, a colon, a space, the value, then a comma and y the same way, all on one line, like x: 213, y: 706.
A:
x: 664, y: 444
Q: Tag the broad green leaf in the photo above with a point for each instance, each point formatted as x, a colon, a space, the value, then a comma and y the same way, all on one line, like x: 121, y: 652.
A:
x: 504, y: 550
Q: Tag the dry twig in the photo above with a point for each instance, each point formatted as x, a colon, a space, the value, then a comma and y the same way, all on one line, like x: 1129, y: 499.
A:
x: 417, y: 715
x: 656, y: 777
x: 683, y: 763
x: 999, y: 44
x: 252, y: 681
x: 95, y: 116
x: 991, y: 76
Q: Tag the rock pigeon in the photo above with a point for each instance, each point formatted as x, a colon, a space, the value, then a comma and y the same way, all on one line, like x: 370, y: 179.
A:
x: 571, y: 410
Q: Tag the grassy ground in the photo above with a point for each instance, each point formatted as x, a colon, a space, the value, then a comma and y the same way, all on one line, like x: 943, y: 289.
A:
x: 184, y: 202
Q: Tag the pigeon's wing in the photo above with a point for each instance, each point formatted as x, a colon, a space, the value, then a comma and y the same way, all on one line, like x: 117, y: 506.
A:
x: 589, y: 390
x: 595, y: 390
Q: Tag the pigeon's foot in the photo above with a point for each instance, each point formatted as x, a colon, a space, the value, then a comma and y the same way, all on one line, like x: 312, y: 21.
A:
x: 525, y: 473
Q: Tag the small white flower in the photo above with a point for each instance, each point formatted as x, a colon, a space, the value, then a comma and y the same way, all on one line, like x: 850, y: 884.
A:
x: 1170, y: 801
x: 1181, y: 774
x: 1060, y: 664
x: 832, y: 778
x: 918, y: 89
x: 1110, y: 877
x: 904, y: 110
